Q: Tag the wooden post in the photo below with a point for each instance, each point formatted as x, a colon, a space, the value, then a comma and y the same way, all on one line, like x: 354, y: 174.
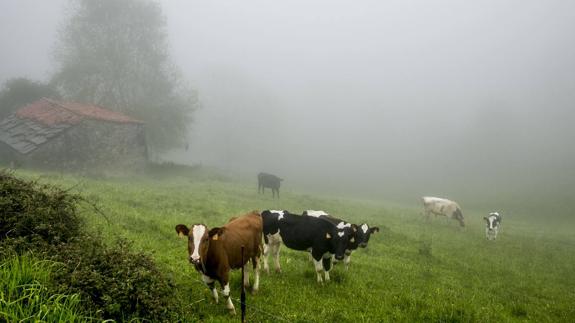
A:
x: 243, y: 294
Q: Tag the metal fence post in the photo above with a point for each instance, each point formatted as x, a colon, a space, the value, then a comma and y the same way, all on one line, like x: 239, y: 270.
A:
x: 243, y: 294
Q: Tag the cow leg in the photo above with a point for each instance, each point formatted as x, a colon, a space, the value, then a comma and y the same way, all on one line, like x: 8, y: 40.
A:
x: 318, y: 269
x: 212, y: 286
x: 317, y: 262
x: 266, y: 255
x: 246, y: 275
x: 347, y: 259
x: 326, y: 263
x: 276, y: 252
x: 427, y: 214
x: 256, y: 268
x: 226, y: 292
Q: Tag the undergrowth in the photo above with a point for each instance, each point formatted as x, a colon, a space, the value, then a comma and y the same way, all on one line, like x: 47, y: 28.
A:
x: 113, y: 282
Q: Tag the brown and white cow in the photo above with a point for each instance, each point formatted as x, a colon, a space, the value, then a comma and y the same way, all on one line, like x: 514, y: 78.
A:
x: 445, y: 207
x: 215, y: 252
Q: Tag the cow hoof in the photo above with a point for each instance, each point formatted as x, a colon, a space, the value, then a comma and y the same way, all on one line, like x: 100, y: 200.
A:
x: 232, y: 311
x: 278, y: 271
x: 254, y: 291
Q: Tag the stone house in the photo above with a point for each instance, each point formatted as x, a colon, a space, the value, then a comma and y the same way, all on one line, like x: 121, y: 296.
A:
x: 72, y: 136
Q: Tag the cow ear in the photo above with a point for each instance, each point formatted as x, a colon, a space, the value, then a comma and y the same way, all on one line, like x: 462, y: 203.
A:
x: 327, y: 236
x: 374, y: 229
x: 182, y: 230
x: 485, y: 218
x: 215, y: 233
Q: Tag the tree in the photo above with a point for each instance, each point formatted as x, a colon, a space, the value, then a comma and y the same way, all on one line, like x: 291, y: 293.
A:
x: 18, y: 92
x: 115, y: 54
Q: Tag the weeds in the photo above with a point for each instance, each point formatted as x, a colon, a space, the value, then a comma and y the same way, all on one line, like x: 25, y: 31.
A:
x: 25, y: 294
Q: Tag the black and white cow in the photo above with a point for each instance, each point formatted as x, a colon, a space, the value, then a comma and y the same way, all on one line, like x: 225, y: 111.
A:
x: 360, y: 233
x: 493, y: 223
x: 269, y: 181
x: 322, y: 238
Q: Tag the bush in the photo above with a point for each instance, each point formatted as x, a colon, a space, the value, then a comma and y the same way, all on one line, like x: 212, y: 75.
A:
x: 118, y: 282
x: 36, y: 213
x: 114, y: 283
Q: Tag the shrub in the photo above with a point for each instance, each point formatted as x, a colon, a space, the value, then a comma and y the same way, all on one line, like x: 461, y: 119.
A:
x: 118, y: 282
x: 36, y: 213
x: 114, y: 282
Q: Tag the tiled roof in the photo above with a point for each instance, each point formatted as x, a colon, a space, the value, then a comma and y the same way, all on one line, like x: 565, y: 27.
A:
x: 33, y: 125
x: 52, y: 112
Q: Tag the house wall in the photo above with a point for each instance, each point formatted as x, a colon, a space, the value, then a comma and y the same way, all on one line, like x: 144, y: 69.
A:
x: 95, y: 146
x: 7, y: 155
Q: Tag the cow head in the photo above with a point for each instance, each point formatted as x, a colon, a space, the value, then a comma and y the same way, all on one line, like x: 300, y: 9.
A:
x: 340, y: 238
x: 363, y: 233
x: 198, y: 241
x: 492, y: 221
x: 459, y: 216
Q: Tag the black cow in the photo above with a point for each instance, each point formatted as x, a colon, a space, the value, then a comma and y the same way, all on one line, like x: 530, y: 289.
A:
x: 269, y: 181
x: 360, y: 233
x: 323, y: 238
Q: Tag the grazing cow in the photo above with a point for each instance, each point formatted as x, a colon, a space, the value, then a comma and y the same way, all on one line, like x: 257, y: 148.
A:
x: 269, y: 181
x: 445, y: 207
x: 492, y: 226
x: 323, y: 238
x: 215, y: 252
x: 359, y: 238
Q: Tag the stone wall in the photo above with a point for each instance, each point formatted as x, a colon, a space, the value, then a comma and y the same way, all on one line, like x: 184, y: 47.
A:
x: 94, y: 146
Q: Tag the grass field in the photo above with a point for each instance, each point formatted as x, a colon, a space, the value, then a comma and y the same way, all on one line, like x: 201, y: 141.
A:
x: 412, y: 270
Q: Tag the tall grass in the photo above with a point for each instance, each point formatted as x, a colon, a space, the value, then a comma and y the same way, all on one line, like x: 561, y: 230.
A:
x: 25, y: 296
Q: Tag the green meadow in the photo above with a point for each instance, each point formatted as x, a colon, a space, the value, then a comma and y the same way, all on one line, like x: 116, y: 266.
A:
x: 413, y: 269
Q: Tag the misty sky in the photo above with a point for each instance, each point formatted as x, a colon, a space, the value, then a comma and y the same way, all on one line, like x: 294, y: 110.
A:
x: 360, y: 93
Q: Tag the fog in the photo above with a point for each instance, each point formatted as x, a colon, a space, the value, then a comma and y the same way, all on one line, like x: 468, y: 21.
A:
x: 385, y: 99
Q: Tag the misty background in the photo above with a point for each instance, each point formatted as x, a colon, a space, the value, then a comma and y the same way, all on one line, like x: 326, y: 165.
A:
x: 381, y: 99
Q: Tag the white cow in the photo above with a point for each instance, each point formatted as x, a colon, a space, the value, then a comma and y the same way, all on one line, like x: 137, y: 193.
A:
x: 445, y: 207
x: 492, y: 226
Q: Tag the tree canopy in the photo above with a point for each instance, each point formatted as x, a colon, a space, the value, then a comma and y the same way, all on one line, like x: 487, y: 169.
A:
x: 115, y: 54
x: 18, y: 92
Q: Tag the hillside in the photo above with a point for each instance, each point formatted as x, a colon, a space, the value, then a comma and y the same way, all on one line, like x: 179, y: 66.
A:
x: 412, y: 270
